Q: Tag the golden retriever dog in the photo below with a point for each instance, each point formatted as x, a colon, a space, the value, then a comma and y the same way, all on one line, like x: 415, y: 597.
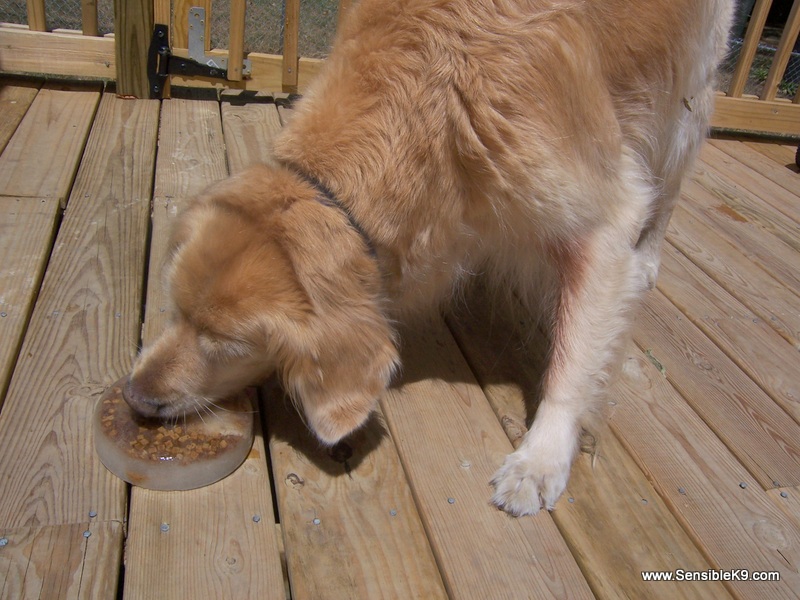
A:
x: 540, y: 143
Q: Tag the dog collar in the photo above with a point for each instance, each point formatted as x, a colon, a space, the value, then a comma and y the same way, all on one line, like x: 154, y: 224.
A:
x: 326, y: 197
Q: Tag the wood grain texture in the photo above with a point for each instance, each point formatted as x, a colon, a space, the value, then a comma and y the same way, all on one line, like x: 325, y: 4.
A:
x: 451, y: 443
x: 608, y: 501
x: 214, y: 542
x: 761, y: 194
x: 55, y: 126
x: 788, y: 500
x: 236, y: 40
x: 350, y: 526
x: 221, y: 541
x: 755, y: 27
x: 291, y: 26
x: 83, y: 331
x: 249, y: 133
x: 758, y: 245
x: 52, y: 53
x: 724, y: 262
x: 16, y: 96
x: 755, y: 429
x: 27, y: 229
x: 78, y: 561
x: 782, y: 153
x: 720, y: 505
x: 752, y: 344
x: 133, y: 28
x: 783, y: 173
x: 751, y: 114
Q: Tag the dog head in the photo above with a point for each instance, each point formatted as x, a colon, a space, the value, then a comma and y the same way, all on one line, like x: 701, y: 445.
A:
x: 264, y: 278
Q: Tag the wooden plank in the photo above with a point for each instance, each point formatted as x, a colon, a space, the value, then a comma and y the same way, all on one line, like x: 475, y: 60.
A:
x: 752, y: 114
x: 350, y: 526
x: 761, y: 164
x: 291, y: 26
x: 720, y: 505
x: 608, y: 501
x: 37, y: 19
x: 180, y: 24
x: 32, y: 52
x: 767, y: 297
x: 133, y: 28
x: 781, y: 153
x: 759, y: 198
x: 788, y: 500
x: 214, y: 542
x: 756, y: 348
x: 341, y: 15
x: 221, y: 542
x: 64, y: 561
x: 16, y: 96
x: 56, y: 126
x: 27, y: 229
x: 451, y: 443
x: 89, y: 17
x: 755, y: 27
x: 83, y: 331
x: 249, y: 133
x: 756, y: 430
x: 782, y: 54
x: 236, y: 40
x: 768, y: 252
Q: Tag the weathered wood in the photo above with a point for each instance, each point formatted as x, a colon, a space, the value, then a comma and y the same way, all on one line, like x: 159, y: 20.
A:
x: 27, y: 228
x: 782, y: 153
x: 451, y: 443
x: 755, y: 27
x: 768, y: 252
x: 755, y: 429
x: 16, y: 96
x: 756, y: 348
x: 720, y: 505
x: 83, y: 331
x: 767, y: 297
x: 56, y: 126
x: 220, y: 542
x: 788, y: 500
x: 763, y: 166
x: 608, y: 501
x: 777, y: 209
x: 133, y: 28
x: 782, y: 54
x: 350, y: 526
x: 63, y: 561
x: 236, y: 40
x: 291, y: 26
x: 32, y: 52
x: 752, y: 114
x: 249, y: 133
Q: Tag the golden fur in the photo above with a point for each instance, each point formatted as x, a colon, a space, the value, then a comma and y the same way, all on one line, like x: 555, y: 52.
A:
x: 540, y: 142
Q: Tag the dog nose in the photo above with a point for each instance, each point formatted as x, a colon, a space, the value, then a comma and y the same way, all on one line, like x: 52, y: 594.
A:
x: 142, y: 403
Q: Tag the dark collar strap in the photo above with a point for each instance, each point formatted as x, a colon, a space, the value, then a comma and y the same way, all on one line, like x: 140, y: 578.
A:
x: 328, y: 198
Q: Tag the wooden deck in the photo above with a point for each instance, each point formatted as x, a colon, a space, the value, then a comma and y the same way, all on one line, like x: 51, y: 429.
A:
x: 699, y: 471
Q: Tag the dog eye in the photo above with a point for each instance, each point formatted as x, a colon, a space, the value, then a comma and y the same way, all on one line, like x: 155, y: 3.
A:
x: 219, y: 346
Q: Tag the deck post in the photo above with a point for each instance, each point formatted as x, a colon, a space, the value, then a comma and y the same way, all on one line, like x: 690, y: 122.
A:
x: 133, y: 27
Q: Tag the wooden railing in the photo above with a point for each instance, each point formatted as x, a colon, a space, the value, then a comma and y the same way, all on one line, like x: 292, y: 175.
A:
x: 32, y: 49
x: 764, y: 112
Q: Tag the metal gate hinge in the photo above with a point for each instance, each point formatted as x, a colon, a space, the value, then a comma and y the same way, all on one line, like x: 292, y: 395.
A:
x: 161, y: 62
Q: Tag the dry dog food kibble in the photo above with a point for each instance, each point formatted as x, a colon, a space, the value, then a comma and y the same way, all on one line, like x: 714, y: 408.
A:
x: 187, y: 453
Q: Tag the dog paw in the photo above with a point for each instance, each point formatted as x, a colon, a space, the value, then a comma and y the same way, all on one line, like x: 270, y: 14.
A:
x: 528, y: 481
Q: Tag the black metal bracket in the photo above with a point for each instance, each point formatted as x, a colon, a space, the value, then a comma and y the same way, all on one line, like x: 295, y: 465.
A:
x: 161, y: 63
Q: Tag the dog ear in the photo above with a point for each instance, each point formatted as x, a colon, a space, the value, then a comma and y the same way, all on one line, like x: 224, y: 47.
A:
x: 343, y: 357
x: 338, y: 371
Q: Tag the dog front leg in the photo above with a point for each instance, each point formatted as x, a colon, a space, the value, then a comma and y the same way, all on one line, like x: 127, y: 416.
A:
x: 597, y: 284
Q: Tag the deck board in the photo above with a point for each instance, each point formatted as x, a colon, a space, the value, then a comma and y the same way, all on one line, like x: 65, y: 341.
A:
x: 235, y: 551
x: 708, y: 399
x: 608, y: 501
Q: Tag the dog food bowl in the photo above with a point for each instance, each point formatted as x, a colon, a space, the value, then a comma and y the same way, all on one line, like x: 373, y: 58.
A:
x: 178, y: 454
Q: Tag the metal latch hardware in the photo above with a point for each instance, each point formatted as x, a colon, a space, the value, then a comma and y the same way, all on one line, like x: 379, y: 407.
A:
x: 162, y: 63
